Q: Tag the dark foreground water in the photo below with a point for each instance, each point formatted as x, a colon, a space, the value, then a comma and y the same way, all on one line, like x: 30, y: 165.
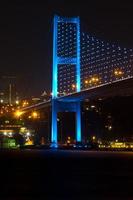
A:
x: 48, y: 174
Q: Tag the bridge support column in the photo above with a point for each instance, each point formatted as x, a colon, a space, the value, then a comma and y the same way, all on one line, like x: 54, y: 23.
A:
x: 78, y: 122
x: 54, y: 125
x: 64, y: 107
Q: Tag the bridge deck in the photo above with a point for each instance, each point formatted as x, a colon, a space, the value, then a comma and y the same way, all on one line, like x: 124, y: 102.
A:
x: 118, y: 88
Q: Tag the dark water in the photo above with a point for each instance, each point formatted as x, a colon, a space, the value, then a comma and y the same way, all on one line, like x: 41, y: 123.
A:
x: 44, y: 174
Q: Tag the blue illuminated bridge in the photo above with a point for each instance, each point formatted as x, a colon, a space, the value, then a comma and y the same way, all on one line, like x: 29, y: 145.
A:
x: 84, y: 67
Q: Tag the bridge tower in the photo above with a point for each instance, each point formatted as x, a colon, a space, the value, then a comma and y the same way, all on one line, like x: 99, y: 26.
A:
x: 65, y: 59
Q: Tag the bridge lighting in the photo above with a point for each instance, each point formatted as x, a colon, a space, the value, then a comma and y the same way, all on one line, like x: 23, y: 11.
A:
x: 92, y: 80
x: 95, y: 79
x: 73, y: 86
x: 86, y: 82
x: 118, y: 72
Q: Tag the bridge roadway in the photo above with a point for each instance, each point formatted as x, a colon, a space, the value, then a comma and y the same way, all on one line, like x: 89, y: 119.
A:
x: 118, y: 88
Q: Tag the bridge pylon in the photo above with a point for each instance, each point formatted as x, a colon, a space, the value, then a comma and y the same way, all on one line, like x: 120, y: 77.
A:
x: 66, y: 59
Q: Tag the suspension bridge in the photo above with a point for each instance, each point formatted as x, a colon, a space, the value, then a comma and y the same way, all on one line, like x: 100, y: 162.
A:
x: 84, y: 66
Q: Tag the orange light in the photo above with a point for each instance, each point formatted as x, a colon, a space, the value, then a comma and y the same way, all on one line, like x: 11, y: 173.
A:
x: 35, y: 114
x: 25, y: 103
x: 73, y: 86
x: 118, y: 72
x: 86, y: 82
x: 18, y: 113
x: 94, y: 137
x: 94, y: 79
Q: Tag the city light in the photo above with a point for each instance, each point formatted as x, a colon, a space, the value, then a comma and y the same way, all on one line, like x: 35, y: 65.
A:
x: 35, y: 115
x: 10, y: 134
x: 1, y: 101
x: 93, y: 106
x: 110, y: 128
x: 28, y: 134
x: 93, y: 137
x: 29, y: 142
x: 5, y: 133
x: 68, y: 140
x: 118, y: 72
x: 17, y: 102
x: 18, y: 113
x: 25, y: 103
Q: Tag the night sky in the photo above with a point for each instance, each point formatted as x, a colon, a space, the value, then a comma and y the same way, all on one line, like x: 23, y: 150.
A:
x: 26, y: 36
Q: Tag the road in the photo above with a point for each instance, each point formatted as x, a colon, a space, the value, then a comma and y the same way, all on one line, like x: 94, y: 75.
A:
x: 59, y: 174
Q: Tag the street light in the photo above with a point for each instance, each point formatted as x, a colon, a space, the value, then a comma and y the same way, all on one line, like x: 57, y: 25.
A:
x: 92, y: 80
x: 35, y: 115
x: 93, y: 138
x: 17, y: 102
x: 118, y: 72
x: 18, y: 113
